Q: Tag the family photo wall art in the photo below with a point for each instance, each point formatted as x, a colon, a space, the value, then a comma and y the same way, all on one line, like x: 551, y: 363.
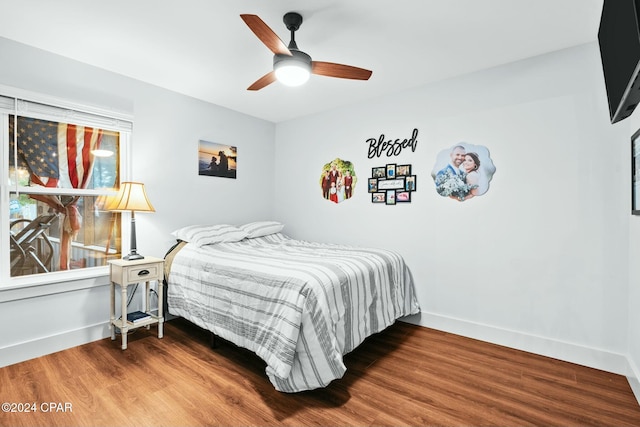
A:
x: 217, y: 159
x: 391, y: 184
x: 463, y: 171
x: 338, y: 180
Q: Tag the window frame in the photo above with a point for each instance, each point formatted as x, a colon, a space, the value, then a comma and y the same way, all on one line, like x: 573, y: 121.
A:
x: 50, y: 108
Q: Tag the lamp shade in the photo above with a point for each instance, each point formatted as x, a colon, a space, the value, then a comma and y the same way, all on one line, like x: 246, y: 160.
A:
x: 131, y: 197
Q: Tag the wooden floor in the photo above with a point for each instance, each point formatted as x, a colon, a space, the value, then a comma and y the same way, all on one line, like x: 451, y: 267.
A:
x: 407, y: 375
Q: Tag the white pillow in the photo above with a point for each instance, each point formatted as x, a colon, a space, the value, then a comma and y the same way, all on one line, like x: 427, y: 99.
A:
x: 201, y: 235
x: 261, y: 228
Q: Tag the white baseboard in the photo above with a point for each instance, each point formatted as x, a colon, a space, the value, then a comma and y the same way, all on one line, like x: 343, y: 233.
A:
x: 27, y: 350
x: 581, y: 355
x: 586, y: 356
x: 633, y: 379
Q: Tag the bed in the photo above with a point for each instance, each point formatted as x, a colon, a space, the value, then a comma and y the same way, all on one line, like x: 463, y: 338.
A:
x: 300, y: 306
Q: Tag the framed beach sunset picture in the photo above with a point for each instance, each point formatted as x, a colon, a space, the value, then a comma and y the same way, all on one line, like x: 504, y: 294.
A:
x: 217, y: 159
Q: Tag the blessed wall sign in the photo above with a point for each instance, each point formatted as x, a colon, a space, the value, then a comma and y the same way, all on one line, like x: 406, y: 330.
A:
x: 391, y: 147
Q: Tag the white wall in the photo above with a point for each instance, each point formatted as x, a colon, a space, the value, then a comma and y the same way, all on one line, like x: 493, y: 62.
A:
x: 634, y: 271
x: 167, y: 128
x: 537, y: 263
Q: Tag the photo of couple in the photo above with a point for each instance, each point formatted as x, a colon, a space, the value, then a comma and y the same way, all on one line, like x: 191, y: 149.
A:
x: 463, y: 171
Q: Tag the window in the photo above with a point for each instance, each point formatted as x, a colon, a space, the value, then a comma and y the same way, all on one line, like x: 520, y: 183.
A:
x: 60, y: 165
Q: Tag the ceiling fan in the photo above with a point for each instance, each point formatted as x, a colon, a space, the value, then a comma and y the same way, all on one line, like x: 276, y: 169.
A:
x: 292, y: 66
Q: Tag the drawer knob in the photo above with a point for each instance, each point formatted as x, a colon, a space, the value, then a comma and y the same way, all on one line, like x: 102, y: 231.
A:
x: 143, y: 272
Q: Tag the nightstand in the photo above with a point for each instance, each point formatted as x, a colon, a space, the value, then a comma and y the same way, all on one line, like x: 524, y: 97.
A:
x: 124, y: 273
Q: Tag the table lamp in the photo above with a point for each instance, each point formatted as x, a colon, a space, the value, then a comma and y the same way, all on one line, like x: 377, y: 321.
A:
x: 131, y: 197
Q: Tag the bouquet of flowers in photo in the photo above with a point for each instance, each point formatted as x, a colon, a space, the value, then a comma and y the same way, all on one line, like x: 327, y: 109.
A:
x: 449, y: 184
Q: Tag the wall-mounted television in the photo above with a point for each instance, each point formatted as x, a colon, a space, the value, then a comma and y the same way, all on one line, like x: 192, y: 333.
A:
x: 619, y: 40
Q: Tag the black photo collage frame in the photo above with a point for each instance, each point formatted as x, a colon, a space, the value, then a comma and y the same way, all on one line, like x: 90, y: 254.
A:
x: 392, y: 184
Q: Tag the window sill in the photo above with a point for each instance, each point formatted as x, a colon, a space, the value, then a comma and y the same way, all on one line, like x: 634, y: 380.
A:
x: 54, y: 283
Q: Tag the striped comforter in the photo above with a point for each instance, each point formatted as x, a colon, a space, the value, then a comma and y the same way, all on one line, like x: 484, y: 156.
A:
x: 298, y: 305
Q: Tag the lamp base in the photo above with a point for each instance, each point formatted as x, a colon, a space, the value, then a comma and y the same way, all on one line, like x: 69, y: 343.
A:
x: 133, y: 257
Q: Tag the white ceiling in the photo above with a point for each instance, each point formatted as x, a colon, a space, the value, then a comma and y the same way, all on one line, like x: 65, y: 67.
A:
x: 202, y: 48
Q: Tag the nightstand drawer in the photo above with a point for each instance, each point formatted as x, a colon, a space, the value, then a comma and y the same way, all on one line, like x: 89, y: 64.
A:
x: 144, y: 272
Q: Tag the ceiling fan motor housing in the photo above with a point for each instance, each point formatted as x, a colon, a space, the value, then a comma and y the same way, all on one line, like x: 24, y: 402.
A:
x: 297, y: 57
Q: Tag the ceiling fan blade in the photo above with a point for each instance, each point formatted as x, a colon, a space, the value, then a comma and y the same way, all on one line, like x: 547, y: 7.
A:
x: 330, y: 69
x: 266, y: 34
x: 263, y: 81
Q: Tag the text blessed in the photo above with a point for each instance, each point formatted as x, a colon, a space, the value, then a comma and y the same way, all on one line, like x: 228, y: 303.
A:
x: 391, y: 147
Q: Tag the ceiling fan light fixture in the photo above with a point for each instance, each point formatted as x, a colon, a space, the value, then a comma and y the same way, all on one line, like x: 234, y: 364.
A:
x: 102, y: 153
x: 292, y: 75
x: 292, y: 70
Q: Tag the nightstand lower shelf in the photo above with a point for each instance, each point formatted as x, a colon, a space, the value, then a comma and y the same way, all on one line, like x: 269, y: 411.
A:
x: 127, y: 326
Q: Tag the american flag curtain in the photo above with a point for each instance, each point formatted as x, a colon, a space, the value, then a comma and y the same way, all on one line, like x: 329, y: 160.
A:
x: 57, y: 155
